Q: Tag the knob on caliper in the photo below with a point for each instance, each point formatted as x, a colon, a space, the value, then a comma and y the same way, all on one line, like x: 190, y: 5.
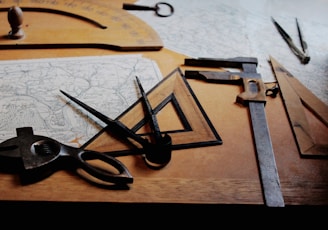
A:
x: 15, y: 19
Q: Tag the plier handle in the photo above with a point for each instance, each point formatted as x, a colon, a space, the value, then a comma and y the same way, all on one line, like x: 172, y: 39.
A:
x: 36, y: 157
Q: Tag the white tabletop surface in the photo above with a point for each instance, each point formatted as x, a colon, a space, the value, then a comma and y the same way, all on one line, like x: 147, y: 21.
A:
x: 225, y: 29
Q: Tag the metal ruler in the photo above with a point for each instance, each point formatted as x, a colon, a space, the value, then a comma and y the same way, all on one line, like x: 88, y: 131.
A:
x: 254, y: 97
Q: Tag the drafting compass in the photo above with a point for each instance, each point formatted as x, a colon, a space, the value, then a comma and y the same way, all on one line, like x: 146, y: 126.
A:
x: 172, y: 96
x: 158, y: 153
x: 301, y: 54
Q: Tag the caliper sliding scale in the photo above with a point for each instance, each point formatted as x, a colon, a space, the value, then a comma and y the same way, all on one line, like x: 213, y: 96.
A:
x: 253, y: 97
x: 77, y: 24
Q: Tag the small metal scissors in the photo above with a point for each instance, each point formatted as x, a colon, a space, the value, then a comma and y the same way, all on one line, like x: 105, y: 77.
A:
x: 301, y: 54
x: 158, y: 153
x: 36, y: 157
x: 159, y: 8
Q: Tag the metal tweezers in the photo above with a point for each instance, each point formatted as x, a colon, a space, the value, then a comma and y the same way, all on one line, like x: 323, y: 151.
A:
x: 301, y: 54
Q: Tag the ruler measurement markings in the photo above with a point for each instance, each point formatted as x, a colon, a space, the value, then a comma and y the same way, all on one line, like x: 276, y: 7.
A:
x: 105, y: 15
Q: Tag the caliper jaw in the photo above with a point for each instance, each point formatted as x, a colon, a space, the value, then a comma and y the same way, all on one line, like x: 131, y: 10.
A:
x: 254, y: 88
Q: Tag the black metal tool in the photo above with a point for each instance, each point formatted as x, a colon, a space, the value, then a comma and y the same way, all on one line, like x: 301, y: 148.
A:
x: 160, y: 153
x: 254, y: 97
x: 301, y: 54
x: 158, y: 8
x: 36, y: 157
x: 157, y: 153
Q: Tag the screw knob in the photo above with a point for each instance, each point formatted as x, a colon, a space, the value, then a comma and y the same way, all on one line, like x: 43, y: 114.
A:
x: 15, y: 19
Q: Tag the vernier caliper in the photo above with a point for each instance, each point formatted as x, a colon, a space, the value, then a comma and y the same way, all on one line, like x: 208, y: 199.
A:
x: 254, y: 97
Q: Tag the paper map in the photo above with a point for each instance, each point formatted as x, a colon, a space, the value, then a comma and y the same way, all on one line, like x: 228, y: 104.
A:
x: 30, y: 96
x: 226, y: 29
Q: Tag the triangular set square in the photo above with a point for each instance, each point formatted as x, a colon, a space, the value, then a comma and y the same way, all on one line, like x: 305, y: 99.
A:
x: 178, y: 111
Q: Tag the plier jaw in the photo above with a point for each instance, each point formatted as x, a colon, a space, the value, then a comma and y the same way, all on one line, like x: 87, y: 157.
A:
x: 10, y: 159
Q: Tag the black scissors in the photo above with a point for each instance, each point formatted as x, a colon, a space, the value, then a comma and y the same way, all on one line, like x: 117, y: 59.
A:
x: 157, y: 153
x: 36, y: 157
x: 162, y: 9
x: 301, y: 54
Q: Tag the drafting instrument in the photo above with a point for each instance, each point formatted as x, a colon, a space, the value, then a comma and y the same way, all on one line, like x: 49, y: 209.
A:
x: 94, y: 25
x: 36, y: 157
x: 296, y: 97
x: 160, y: 153
x: 159, y: 8
x: 172, y: 98
x: 117, y: 126
x: 254, y: 97
x: 157, y: 154
x: 301, y: 54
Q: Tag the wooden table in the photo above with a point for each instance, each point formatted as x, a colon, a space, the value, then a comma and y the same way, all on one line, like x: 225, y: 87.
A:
x: 225, y: 174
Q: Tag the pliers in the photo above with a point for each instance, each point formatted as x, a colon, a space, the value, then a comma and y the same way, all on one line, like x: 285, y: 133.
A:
x: 36, y: 157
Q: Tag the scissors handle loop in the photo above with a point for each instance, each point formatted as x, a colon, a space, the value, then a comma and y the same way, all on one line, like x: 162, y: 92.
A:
x: 105, y: 168
x: 36, y: 157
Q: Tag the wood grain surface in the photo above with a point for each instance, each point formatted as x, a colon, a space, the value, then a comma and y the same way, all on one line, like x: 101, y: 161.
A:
x: 222, y: 174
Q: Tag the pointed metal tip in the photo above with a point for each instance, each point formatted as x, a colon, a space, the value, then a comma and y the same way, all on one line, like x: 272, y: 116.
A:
x: 66, y: 94
x: 140, y: 87
x: 62, y: 92
x: 138, y: 81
